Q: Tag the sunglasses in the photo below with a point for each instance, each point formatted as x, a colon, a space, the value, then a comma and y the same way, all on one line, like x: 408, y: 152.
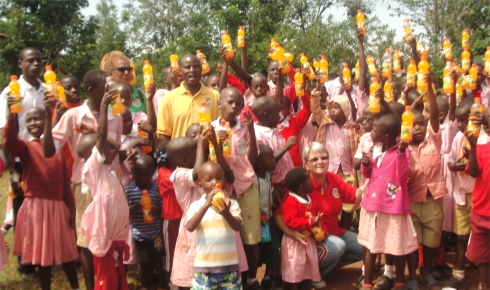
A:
x: 316, y: 159
x: 124, y: 69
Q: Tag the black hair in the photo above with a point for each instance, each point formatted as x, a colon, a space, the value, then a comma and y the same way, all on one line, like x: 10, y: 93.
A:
x: 24, y: 50
x: 390, y: 124
x: 466, y: 103
x: 210, y: 77
x: 93, y: 77
x: 193, y: 124
x: 295, y: 178
x: 285, y: 101
x: 412, y: 95
x: 398, y: 108
x: 341, y: 63
x: 63, y: 77
x: 160, y: 153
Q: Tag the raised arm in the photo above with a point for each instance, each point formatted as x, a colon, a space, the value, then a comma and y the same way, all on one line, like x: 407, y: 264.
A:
x: 452, y: 99
x: 434, y: 110
x: 223, y: 77
x: 361, y: 84
x: 102, y: 128
x: 238, y: 70
x: 150, y: 107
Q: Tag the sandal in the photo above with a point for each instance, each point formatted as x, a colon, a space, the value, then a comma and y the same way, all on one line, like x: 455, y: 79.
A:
x: 428, y: 281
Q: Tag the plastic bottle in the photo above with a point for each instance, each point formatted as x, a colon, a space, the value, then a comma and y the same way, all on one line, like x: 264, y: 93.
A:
x: 465, y: 38
x: 265, y: 229
x: 420, y: 48
x: 462, y: 80
x: 473, y: 77
x: 423, y: 69
x: 204, y: 117
x: 226, y: 142
x: 361, y: 22
x: 387, y: 64
x: 459, y: 93
x: 397, y: 66
x: 147, y: 73
x: 212, y: 153
x: 146, y: 207
x: 323, y: 69
x: 475, y: 108
x: 446, y: 45
x: 318, y: 234
x: 447, y: 81
x: 407, y: 125
x: 240, y: 38
x: 298, y: 83
x: 305, y: 64
x: 411, y: 73
x: 316, y: 64
x: 278, y: 55
x: 289, y: 56
x: 486, y: 66
x: 373, y: 101
x: 388, y: 90
x: 465, y: 60
x: 174, y: 62
x: 407, y: 29
x: 373, y: 71
x: 346, y: 75
x: 226, y: 42
x: 220, y: 196
x: 61, y: 95
x: 14, y: 87
x: 116, y: 103
x: 204, y: 64
x: 133, y: 81
x: 358, y: 67
x: 50, y: 80
x: 272, y: 47
x: 145, y: 148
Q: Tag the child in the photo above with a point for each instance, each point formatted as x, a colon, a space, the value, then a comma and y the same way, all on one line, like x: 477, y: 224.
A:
x: 267, y: 112
x: 386, y: 226
x: 243, y: 155
x: 167, y: 86
x: 269, y: 251
x: 212, y: 82
x: 216, y: 263
x: 426, y: 188
x: 301, y: 213
x: 147, y: 235
x: 45, y: 221
x: 105, y: 222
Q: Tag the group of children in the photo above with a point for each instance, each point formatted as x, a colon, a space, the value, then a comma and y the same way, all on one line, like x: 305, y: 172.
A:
x: 158, y: 206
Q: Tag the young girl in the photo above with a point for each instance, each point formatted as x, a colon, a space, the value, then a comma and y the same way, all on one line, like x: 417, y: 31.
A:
x: 301, y: 213
x: 44, y: 235
x: 105, y: 222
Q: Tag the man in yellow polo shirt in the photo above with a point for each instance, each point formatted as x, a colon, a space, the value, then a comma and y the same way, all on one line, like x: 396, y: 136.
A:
x: 180, y: 107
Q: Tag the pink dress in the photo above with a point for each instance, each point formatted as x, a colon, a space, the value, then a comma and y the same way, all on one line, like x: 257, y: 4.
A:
x: 4, y: 255
x: 448, y: 131
x: 106, y: 219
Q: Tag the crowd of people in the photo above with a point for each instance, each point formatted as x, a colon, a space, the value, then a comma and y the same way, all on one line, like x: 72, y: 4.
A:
x: 310, y: 183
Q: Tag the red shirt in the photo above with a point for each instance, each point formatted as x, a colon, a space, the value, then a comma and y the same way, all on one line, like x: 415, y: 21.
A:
x: 294, y: 212
x: 481, y: 191
x: 292, y: 126
x: 170, y: 207
x: 336, y: 192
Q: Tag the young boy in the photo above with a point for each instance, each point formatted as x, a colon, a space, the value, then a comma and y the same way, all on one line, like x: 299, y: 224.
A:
x: 147, y: 234
x: 216, y: 263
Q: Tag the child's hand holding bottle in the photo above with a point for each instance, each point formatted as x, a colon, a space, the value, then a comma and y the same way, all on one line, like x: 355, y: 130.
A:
x: 402, y: 146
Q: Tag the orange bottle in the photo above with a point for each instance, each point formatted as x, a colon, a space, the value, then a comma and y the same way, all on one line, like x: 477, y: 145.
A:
x: 220, y: 196
x: 407, y: 29
x: 388, y: 90
x: 147, y: 73
x: 298, y: 83
x: 305, y: 64
x: 411, y: 73
x: 459, y: 93
x: 465, y: 38
x: 146, y: 148
x: 146, y: 207
x: 289, y: 56
x: 473, y: 77
x: 272, y: 47
x: 477, y: 107
x: 346, y: 75
x: 204, y: 64
x: 61, y: 95
x: 465, y: 60
x: 386, y: 64
x: 447, y: 81
x: 226, y: 42
x: 407, y: 125
x: 361, y: 22
x: 358, y: 67
x: 448, y: 55
x: 240, y: 39
x: 316, y: 64
x: 486, y: 66
x: 226, y: 145
x: 420, y: 48
x: 397, y: 66
x: 324, y: 69
x: 373, y: 101
x: 116, y: 103
x: 14, y: 87
x: 50, y: 79
x: 174, y: 62
x: 133, y: 79
x: 279, y: 56
x: 204, y: 117
x: 373, y: 71
x: 462, y: 80
x: 423, y: 69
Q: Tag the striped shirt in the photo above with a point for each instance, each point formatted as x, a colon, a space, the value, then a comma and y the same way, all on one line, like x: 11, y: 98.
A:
x: 215, y: 239
x: 140, y: 230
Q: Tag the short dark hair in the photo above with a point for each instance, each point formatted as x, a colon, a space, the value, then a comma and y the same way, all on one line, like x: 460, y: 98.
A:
x: 295, y: 178
x: 93, y: 77
x: 466, y: 103
x: 390, y: 123
x: 21, y: 53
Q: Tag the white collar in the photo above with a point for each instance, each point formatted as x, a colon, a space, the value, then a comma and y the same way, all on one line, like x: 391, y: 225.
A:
x: 85, y: 111
x: 377, y: 151
x: 268, y: 132
x: 300, y: 199
x: 28, y: 86
x: 284, y: 123
x: 132, y: 134
x: 217, y: 123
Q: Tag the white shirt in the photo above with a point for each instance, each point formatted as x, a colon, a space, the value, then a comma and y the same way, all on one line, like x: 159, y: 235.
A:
x: 30, y: 98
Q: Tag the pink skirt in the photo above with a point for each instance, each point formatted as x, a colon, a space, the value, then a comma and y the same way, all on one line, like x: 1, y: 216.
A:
x: 299, y: 262
x: 4, y: 255
x: 448, y: 204
x: 383, y: 233
x: 43, y: 236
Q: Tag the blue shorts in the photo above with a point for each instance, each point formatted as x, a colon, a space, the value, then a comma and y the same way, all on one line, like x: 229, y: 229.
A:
x: 215, y: 281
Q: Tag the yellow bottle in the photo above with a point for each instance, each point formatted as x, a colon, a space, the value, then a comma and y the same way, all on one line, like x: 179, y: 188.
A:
x: 397, y: 66
x: 373, y: 71
x: 316, y: 64
x: 462, y: 80
x: 358, y: 67
x: 61, y: 95
x: 305, y: 64
x: 298, y: 83
x: 473, y: 77
x: 448, y: 55
x: 407, y: 29
x: 447, y: 81
x: 388, y: 90
x: 272, y: 47
x: 459, y: 93
x: 465, y: 60
x: 289, y: 56
x: 486, y: 66
x: 226, y: 143
x: 204, y: 117
x: 411, y: 72
x: 318, y: 234
x: 346, y: 75
x: 212, y: 153
x: 373, y: 101
x: 14, y: 87
x: 361, y: 22
x: 420, y: 48
x: 146, y: 207
x: 147, y: 73
x: 116, y: 103
x: 386, y: 64
x: 146, y: 148
x: 240, y: 39
x: 407, y: 125
x: 220, y: 196
x: 204, y: 64
x: 174, y: 62
x: 465, y: 38
x: 226, y: 43
x: 423, y: 69
x: 323, y: 66
x: 133, y: 80
x: 279, y: 56
x: 475, y: 108
x: 50, y: 79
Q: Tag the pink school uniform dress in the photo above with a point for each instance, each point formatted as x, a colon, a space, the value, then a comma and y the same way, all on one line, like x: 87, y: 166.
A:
x: 386, y: 226
x: 307, y: 135
x: 186, y: 193
x: 463, y: 182
x: 448, y: 132
x: 299, y: 262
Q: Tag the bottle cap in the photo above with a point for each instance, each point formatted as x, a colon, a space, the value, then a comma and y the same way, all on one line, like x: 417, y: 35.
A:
x: 224, y: 32
x: 474, y: 65
x: 359, y: 11
x: 48, y: 67
x: 218, y: 186
x: 346, y: 65
x: 412, y: 61
x: 488, y: 47
x: 241, y: 27
x: 388, y: 50
x: 58, y: 83
x: 314, y: 59
x: 145, y: 192
x: 446, y: 39
x: 375, y: 79
x: 323, y: 56
x: 297, y: 70
x: 223, y: 122
x: 198, y: 51
x: 147, y: 61
x: 302, y: 54
x: 465, y: 30
x: 204, y: 104
x: 408, y: 108
x: 407, y: 19
x: 13, y: 78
